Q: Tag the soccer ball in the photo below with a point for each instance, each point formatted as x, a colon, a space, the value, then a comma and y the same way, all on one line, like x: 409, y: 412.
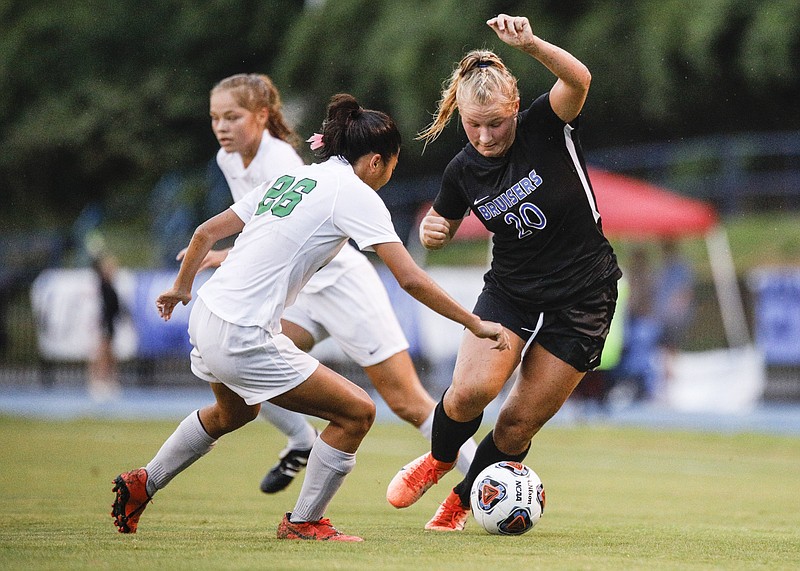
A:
x: 507, y: 498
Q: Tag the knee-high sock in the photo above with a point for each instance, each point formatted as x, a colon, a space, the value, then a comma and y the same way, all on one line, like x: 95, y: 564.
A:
x: 298, y: 430
x: 486, y: 455
x: 449, y: 435
x: 326, y: 470
x: 187, y: 444
x: 465, y: 454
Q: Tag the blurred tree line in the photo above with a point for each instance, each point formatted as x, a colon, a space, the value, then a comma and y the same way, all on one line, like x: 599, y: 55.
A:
x: 101, y: 98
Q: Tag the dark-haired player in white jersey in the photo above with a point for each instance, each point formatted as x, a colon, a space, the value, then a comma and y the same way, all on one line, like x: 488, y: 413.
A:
x: 553, y: 278
x: 345, y: 300
x: 289, y: 228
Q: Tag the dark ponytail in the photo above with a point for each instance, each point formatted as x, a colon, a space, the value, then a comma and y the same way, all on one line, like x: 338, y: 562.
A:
x: 351, y: 131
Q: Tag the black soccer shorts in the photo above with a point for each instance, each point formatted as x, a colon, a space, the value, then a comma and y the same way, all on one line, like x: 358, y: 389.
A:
x: 575, y: 334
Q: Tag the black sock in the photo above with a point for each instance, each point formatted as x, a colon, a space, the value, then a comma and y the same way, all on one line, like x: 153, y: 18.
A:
x: 486, y: 455
x: 447, y: 435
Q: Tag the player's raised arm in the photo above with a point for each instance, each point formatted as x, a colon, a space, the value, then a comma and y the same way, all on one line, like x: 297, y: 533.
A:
x: 570, y: 90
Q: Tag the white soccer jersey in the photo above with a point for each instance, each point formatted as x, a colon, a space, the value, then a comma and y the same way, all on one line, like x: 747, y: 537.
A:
x: 273, y: 158
x: 294, y: 226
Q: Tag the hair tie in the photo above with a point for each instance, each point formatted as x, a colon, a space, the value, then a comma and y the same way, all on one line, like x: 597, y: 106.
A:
x: 483, y: 64
x: 316, y: 141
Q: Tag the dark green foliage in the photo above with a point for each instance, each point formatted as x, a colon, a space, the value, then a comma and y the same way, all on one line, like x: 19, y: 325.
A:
x: 101, y: 98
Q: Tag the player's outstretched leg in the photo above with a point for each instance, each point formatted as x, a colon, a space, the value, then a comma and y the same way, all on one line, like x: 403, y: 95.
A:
x: 321, y: 530
x: 130, y: 501
x: 452, y: 515
x: 416, y: 478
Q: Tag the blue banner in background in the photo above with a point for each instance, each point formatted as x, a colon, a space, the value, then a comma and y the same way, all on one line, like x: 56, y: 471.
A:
x: 777, y: 314
x: 159, y: 338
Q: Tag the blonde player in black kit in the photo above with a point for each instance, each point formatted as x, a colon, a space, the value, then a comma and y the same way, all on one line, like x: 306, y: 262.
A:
x: 553, y: 278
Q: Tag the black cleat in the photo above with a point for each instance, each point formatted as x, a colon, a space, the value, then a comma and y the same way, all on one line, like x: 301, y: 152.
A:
x: 282, y: 474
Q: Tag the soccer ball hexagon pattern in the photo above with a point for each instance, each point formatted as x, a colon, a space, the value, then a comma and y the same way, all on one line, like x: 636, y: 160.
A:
x: 507, y: 498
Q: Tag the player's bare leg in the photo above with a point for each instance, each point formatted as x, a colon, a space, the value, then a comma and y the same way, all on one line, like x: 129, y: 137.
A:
x: 545, y: 383
x: 397, y: 382
x: 300, y: 434
x: 479, y: 376
x: 350, y: 414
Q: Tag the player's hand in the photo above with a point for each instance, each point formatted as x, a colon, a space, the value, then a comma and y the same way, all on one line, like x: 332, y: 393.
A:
x: 434, y: 232
x: 516, y: 31
x: 167, y: 301
x: 494, y: 331
x: 212, y: 260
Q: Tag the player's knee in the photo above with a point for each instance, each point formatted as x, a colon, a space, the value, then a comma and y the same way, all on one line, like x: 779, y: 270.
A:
x: 463, y: 404
x: 361, y: 414
x: 513, y: 438
x: 238, y: 418
x: 405, y: 411
x: 223, y: 421
x: 513, y: 433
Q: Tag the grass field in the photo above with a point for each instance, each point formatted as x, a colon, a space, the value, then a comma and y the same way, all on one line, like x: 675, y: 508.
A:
x: 616, y: 499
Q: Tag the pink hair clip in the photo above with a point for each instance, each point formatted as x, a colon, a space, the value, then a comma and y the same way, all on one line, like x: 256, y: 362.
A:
x: 316, y: 141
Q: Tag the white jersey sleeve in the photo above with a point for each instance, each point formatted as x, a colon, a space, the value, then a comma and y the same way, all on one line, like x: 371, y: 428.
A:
x: 245, y: 207
x: 362, y: 215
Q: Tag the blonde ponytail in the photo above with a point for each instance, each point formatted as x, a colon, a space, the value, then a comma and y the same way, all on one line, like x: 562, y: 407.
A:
x: 481, y: 78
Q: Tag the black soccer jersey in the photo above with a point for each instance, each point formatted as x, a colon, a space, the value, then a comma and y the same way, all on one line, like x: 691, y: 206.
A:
x: 548, y: 247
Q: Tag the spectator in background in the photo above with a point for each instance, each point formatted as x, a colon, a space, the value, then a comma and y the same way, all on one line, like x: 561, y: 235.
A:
x: 641, y: 327
x: 674, y: 304
x: 103, y: 369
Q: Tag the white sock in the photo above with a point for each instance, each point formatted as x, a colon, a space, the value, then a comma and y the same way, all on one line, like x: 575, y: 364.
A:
x: 187, y: 444
x: 465, y: 454
x: 299, y: 432
x: 326, y: 470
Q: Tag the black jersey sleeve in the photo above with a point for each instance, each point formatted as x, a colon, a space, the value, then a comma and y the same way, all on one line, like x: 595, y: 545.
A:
x: 541, y: 117
x: 451, y: 201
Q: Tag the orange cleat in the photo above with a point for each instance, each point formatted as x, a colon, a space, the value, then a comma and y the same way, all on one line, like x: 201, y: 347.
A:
x: 131, y: 499
x: 451, y: 515
x: 416, y: 478
x: 321, y: 530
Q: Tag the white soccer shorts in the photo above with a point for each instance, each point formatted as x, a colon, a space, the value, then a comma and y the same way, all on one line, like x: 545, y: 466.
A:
x: 356, y: 311
x: 250, y: 361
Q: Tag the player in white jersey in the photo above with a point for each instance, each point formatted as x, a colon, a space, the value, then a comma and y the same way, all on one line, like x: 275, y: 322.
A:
x: 289, y: 229
x: 345, y: 300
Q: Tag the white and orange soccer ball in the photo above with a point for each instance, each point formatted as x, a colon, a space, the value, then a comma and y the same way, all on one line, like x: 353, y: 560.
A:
x: 507, y: 498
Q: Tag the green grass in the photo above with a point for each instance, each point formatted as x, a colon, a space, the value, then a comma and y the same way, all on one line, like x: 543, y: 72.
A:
x: 616, y: 498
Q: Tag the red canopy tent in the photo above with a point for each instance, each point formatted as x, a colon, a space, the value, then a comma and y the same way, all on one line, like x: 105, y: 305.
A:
x: 636, y: 209
x: 632, y: 208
